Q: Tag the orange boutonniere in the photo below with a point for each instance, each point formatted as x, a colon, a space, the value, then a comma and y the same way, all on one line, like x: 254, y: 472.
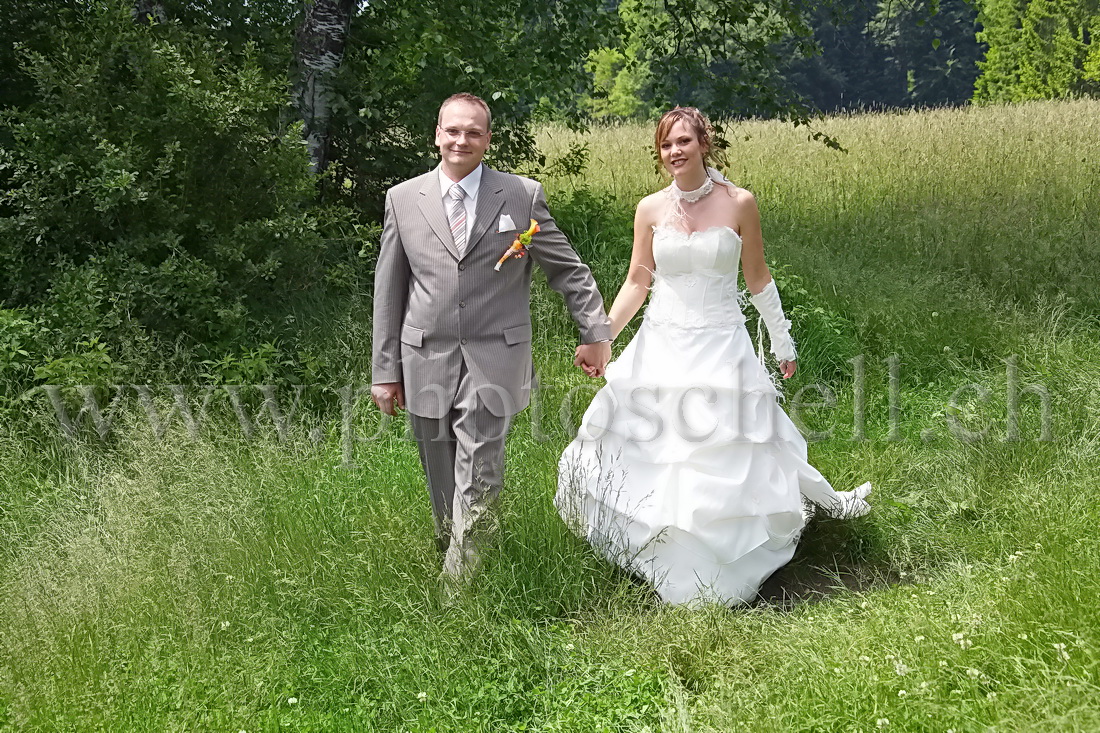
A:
x: 520, y: 245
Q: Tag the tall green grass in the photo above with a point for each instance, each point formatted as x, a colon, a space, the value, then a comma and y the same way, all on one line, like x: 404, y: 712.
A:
x: 226, y: 583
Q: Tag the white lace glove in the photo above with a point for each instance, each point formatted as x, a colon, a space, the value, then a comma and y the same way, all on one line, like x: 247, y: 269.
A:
x: 779, y: 328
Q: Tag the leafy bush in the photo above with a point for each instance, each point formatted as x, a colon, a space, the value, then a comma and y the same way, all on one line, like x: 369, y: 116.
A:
x: 19, y: 340
x: 153, y: 187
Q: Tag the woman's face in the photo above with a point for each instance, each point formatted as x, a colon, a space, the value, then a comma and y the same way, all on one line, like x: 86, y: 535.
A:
x: 680, y: 150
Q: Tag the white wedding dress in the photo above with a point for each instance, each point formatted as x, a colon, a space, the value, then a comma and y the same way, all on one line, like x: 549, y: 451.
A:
x: 685, y: 470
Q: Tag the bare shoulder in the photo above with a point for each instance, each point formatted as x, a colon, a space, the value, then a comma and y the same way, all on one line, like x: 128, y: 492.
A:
x: 741, y: 198
x: 650, y: 209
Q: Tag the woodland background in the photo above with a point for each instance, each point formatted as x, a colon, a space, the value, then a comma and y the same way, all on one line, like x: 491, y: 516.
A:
x: 181, y: 183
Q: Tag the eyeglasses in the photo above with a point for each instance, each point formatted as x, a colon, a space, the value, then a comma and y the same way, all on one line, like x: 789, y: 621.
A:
x: 454, y: 133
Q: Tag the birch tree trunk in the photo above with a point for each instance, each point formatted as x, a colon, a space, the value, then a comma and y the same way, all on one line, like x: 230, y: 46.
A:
x: 319, y: 48
x: 149, y: 11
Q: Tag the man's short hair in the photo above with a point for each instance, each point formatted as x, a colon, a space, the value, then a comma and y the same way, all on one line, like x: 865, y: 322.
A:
x: 466, y: 97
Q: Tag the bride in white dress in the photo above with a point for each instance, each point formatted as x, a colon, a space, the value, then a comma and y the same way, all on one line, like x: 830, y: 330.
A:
x: 685, y: 470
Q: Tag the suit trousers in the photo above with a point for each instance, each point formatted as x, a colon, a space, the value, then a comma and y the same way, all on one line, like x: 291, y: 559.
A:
x: 463, y: 458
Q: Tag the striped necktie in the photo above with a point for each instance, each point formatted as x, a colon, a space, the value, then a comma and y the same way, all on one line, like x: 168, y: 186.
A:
x: 456, y: 214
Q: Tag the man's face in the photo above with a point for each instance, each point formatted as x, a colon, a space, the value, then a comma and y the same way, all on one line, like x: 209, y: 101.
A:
x: 462, y: 136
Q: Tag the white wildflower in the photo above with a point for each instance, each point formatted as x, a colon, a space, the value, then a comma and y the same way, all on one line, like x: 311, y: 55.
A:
x: 292, y: 701
x: 421, y: 696
x: 901, y: 668
x: 973, y: 673
x: 902, y: 693
x: 918, y: 639
x: 882, y: 722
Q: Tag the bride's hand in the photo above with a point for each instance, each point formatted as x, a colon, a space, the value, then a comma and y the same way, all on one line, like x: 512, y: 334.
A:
x: 591, y: 370
x: 787, y: 368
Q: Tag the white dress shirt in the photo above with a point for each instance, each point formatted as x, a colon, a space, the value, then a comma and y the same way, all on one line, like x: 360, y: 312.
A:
x: 470, y: 184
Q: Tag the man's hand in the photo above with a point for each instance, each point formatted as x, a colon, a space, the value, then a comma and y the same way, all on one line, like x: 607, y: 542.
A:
x: 388, y: 396
x: 593, y: 358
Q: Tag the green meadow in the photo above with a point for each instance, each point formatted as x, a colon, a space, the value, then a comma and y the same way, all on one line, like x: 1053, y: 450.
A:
x: 942, y: 277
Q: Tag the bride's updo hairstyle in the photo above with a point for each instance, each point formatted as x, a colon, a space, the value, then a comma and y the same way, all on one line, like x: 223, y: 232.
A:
x: 698, y: 123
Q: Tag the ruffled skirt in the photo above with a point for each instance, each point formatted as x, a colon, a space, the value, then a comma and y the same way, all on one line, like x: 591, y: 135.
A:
x: 686, y: 471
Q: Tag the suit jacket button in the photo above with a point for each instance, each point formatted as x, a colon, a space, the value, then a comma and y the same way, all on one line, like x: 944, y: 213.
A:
x: 463, y: 342
x: 462, y: 265
x: 462, y: 304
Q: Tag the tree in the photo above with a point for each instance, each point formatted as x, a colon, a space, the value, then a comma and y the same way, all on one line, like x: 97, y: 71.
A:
x: 25, y: 29
x: 1040, y: 49
x: 150, y: 190
x: 851, y: 71
x: 618, y: 79
x: 891, y: 53
x: 149, y: 11
x: 404, y: 57
x: 720, y: 55
x: 931, y: 45
x: 319, y: 48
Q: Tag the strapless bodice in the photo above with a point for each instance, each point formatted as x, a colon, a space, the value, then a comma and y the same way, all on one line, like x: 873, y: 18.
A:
x: 695, y: 285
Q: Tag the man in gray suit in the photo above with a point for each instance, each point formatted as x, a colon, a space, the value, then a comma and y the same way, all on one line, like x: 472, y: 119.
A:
x: 452, y: 335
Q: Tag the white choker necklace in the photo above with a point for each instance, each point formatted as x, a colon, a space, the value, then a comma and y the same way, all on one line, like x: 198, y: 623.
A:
x: 692, y: 196
x: 677, y: 197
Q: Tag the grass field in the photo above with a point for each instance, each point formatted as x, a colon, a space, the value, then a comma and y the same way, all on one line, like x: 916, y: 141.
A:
x: 942, y: 279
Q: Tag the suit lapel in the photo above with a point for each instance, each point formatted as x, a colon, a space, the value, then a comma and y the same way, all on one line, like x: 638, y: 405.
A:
x: 431, y: 206
x: 490, y: 200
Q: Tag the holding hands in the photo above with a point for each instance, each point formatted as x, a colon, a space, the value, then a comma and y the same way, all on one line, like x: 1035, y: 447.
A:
x: 593, y: 358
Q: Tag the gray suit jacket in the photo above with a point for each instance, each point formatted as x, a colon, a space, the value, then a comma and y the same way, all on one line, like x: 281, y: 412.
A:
x: 434, y: 310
